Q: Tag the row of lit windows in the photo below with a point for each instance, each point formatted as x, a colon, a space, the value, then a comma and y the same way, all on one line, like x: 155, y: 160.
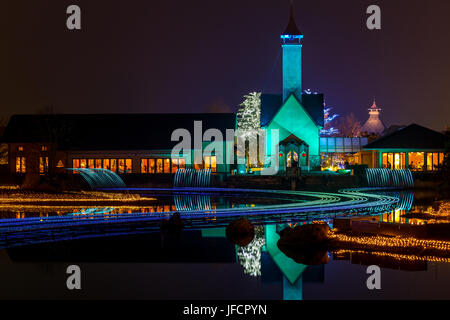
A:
x: 416, y: 160
x: 21, y: 165
x: 209, y: 162
x: 148, y: 165
x: 152, y: 165
x: 115, y: 165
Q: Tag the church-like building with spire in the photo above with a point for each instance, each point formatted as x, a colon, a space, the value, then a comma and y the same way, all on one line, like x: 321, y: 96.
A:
x: 297, y: 115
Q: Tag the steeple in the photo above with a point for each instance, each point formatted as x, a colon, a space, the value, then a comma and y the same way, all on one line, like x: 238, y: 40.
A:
x: 374, y: 123
x: 292, y: 28
x: 292, y: 58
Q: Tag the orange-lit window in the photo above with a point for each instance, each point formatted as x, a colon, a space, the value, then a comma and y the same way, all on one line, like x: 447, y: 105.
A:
x: 159, y: 166
x: 106, y: 164
x: 75, y: 163
x: 384, y: 160
x: 181, y: 163
x: 174, y: 165
x: 390, y: 162
x: 91, y: 164
x: 166, y: 165
x: 416, y: 161
x: 43, y: 165
x: 211, y: 163
x: 114, y: 165
x: 20, y: 148
x: 98, y: 163
x: 60, y: 164
x: 44, y: 148
x: 151, y: 164
x: 441, y: 159
x: 144, y: 165
x: 21, y: 165
x: 128, y: 165
x: 121, y: 165
x: 198, y: 166
x: 435, y: 161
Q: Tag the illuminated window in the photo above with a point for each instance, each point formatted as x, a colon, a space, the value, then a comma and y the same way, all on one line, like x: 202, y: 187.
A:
x: 159, y: 166
x: 128, y: 165
x: 106, y: 164
x: 181, y: 163
x: 384, y: 160
x: 43, y: 165
x: 91, y: 164
x: 75, y: 163
x: 44, y: 148
x: 144, y: 166
x: 20, y: 148
x: 211, y: 163
x: 121, y: 165
x: 21, y: 165
x: 441, y: 159
x: 174, y: 165
x: 151, y: 164
x: 60, y: 164
x: 292, y: 159
x: 166, y: 165
x: 390, y: 160
x: 83, y: 163
x: 416, y: 161
x: 198, y: 166
x: 113, y: 165
x: 98, y: 163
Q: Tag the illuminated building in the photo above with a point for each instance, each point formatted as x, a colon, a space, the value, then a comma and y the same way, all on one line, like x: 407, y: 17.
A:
x: 122, y: 143
x: 298, y: 115
x: 414, y: 147
x: 373, y: 125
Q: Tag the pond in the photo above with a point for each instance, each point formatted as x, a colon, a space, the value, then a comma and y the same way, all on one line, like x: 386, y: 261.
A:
x: 201, y: 263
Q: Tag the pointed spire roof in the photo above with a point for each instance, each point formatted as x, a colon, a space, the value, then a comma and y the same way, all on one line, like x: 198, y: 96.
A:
x: 374, y: 106
x: 292, y: 28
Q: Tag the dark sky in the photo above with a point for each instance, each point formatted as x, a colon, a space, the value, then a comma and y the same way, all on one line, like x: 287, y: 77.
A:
x: 184, y: 56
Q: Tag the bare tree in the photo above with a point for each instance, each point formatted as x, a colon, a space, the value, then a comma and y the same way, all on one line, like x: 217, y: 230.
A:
x: 349, y: 126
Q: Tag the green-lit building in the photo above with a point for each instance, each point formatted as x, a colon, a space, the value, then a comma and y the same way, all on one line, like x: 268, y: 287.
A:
x: 296, y: 114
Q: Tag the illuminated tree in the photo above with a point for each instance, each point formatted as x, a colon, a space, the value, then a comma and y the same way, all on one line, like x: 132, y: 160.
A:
x: 328, y: 120
x: 249, y: 114
x: 250, y: 255
x: 248, y: 121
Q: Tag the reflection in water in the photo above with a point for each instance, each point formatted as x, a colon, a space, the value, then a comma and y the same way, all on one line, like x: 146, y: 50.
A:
x: 192, y: 202
x: 250, y: 255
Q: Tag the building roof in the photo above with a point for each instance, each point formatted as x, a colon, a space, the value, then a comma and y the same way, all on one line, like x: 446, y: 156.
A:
x: 292, y: 28
x: 272, y: 103
x: 111, y: 131
x: 374, y: 123
x: 413, y: 136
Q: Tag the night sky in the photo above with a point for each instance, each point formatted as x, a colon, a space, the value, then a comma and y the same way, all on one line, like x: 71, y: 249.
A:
x: 200, y: 56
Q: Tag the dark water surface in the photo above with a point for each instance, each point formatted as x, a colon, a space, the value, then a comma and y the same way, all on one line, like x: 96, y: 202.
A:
x: 203, y: 264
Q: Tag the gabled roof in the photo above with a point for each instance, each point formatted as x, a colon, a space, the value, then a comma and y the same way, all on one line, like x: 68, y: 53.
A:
x: 272, y: 103
x: 290, y: 138
x: 413, y: 136
x: 111, y: 131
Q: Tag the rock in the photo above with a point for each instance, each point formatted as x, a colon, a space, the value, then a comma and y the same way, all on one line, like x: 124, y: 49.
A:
x: 240, y: 232
x: 308, y: 235
x: 306, y: 244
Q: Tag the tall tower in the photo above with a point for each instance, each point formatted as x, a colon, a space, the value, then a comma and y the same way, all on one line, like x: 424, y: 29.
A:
x: 374, y: 123
x: 292, y: 58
